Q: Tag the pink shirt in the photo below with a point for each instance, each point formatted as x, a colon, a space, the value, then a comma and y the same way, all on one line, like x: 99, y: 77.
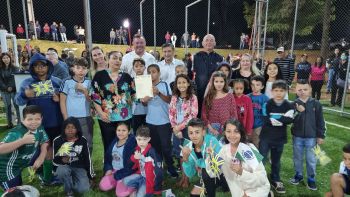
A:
x: 317, y: 73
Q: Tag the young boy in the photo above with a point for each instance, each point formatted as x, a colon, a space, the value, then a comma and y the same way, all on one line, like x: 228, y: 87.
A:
x: 340, y: 182
x: 259, y: 105
x: 148, y: 177
x: 74, y: 166
x: 308, y: 130
x: 75, y: 99
x: 279, y: 112
x: 139, y: 110
x: 42, y: 90
x: 195, y: 153
x: 157, y: 118
x: 25, y: 145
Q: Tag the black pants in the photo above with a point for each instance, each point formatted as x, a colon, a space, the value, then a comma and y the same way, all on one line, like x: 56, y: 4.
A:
x: 108, y: 132
x: 316, y: 89
x: 137, y: 121
x: 161, y: 142
x: 276, y: 154
x: 337, y: 95
x: 212, y: 183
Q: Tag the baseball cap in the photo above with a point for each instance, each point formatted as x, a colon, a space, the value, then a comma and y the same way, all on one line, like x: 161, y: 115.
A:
x: 280, y: 49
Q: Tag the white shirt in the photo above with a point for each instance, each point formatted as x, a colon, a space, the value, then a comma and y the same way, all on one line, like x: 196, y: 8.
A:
x: 167, y: 71
x: 129, y: 58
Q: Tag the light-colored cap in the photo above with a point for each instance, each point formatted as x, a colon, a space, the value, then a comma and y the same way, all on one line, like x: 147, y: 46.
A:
x: 280, y: 49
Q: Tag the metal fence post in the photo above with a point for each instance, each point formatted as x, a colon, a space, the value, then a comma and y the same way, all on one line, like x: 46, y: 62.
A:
x: 141, y: 17
x: 294, y: 26
x: 345, y: 87
x: 208, y: 23
x: 155, y: 26
x: 88, y: 35
x: 9, y: 15
x: 186, y: 21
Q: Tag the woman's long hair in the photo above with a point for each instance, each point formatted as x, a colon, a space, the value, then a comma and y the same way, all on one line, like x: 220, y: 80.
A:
x: 189, y: 92
x: 253, y: 68
x: 239, y: 127
x: 321, y: 63
x: 2, y: 64
x: 209, y: 97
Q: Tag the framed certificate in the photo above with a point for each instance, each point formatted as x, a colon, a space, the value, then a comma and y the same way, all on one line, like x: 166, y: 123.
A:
x: 143, y: 85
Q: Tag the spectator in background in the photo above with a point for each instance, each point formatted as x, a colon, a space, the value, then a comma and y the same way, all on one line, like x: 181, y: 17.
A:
x: 63, y: 31
x: 303, y: 69
x: 286, y: 65
x: 333, y: 62
x: 188, y: 63
x: 38, y: 30
x: 60, y: 69
x: 317, y: 77
x: 112, y: 36
x: 340, y: 73
x: 173, y: 39
x: 167, y: 37
x: 7, y: 86
x: 20, y: 31
x: 205, y: 63
x: 118, y: 35
x: 241, y: 41
x: 70, y: 59
x: 76, y: 33
x: 197, y: 42
x: 193, y: 40
x: 31, y: 30
x: 46, y: 31
x: 54, y: 32
x: 81, y: 33
x: 24, y: 57
x: 125, y: 37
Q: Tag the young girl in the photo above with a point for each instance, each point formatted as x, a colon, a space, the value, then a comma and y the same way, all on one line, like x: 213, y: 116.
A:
x: 74, y: 166
x: 117, y: 163
x: 244, y: 106
x: 226, y: 69
x: 272, y: 73
x: 183, y: 107
x: 241, y: 178
x: 317, y: 77
x: 218, y: 105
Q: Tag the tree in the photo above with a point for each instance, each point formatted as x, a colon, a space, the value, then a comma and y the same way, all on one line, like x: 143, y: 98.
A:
x: 326, y: 27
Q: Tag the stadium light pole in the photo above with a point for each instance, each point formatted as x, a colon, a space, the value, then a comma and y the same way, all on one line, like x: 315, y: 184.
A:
x: 208, y: 23
x: 141, y: 17
x: 126, y: 24
x: 26, y: 26
x: 154, y: 26
x: 9, y: 15
x: 294, y: 26
x: 186, y: 22
x: 87, y: 20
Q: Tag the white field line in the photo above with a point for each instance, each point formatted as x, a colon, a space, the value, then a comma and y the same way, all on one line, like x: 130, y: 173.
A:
x: 337, y: 125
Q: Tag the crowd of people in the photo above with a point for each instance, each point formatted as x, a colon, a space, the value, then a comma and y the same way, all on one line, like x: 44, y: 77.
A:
x: 206, y: 118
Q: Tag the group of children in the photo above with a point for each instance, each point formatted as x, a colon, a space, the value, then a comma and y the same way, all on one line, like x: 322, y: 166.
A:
x: 165, y: 126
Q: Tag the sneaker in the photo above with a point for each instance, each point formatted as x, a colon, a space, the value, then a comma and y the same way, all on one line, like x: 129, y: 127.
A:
x: 279, y: 188
x: 172, y: 172
x: 271, y: 194
x: 69, y: 194
x: 296, y: 179
x: 311, y: 185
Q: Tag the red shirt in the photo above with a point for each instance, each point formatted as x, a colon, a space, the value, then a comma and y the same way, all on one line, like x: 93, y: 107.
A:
x: 20, y: 30
x: 317, y: 73
x: 245, y: 112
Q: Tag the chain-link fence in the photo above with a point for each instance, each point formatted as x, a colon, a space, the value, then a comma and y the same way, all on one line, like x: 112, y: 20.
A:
x: 321, y: 26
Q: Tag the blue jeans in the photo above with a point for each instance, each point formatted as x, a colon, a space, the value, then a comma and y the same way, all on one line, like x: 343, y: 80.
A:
x: 138, y: 182
x: 276, y: 153
x: 301, y: 145
x: 7, y: 97
x: 73, y: 179
x: 330, y: 79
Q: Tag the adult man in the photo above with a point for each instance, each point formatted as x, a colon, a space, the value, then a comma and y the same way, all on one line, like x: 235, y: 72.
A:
x: 63, y: 30
x: 139, y: 45
x: 38, y: 29
x: 167, y: 66
x: 286, y: 65
x: 193, y: 40
x: 173, y: 39
x: 53, y: 28
x: 303, y: 69
x: 204, y: 64
x: 112, y: 36
x: 241, y: 42
x: 60, y: 69
x: 332, y: 63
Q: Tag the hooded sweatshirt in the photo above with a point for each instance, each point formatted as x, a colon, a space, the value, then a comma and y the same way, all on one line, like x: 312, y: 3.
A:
x: 44, y: 91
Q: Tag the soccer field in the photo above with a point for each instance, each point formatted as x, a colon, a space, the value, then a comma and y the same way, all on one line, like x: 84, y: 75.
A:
x: 336, y: 138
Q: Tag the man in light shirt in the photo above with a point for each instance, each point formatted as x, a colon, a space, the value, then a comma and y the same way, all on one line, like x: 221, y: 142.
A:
x: 167, y: 66
x: 139, y: 45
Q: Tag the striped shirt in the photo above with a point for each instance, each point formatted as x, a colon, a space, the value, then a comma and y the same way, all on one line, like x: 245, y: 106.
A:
x: 287, y: 68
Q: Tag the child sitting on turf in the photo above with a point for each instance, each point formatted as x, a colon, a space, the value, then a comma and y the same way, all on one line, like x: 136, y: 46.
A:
x: 72, y: 158
x: 279, y: 112
x: 340, y: 182
x: 149, y: 176
x: 117, y: 163
x: 195, y: 154
x: 259, y: 105
x: 23, y: 146
x: 308, y: 130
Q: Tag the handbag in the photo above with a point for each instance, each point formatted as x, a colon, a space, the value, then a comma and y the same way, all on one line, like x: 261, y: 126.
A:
x: 341, y: 83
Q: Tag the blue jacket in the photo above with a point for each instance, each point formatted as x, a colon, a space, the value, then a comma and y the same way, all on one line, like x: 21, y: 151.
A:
x: 52, y: 116
x: 129, y: 149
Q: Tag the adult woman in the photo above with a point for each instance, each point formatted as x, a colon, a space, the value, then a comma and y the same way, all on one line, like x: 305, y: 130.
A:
x: 7, y: 86
x: 25, y: 57
x: 242, y: 179
x: 318, y: 71
x: 340, y: 73
x: 245, y: 70
x: 112, y: 92
x: 99, y: 60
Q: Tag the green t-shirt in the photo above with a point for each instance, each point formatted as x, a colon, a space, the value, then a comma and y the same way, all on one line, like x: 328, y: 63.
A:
x: 11, y: 164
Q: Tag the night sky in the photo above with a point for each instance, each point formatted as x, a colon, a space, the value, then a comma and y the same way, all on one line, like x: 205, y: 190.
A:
x: 107, y: 14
